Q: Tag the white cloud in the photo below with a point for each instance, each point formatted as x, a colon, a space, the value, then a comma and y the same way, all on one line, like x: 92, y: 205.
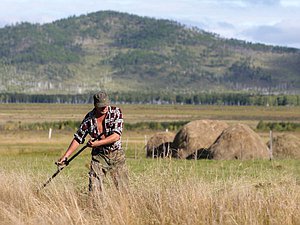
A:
x: 290, y: 3
x: 286, y: 32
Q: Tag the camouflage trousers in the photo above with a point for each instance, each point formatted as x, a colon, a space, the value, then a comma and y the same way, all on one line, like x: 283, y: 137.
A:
x: 109, y: 163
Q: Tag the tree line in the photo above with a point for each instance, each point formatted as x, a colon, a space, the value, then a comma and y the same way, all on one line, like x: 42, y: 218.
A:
x: 73, y: 125
x: 159, y: 98
x: 171, y: 126
x: 277, y: 126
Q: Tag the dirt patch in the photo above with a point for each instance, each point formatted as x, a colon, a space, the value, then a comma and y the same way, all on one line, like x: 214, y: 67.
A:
x: 159, y: 145
x: 195, y: 135
x: 286, y: 146
x: 239, y: 142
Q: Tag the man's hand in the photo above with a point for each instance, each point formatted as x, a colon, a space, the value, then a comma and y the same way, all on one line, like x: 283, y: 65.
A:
x: 61, y: 163
x: 106, y: 140
x: 92, y: 143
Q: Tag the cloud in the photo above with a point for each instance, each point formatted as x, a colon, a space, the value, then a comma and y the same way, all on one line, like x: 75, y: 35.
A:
x: 226, y: 25
x: 243, y: 3
x: 290, y: 3
x: 263, y: 2
x: 284, y: 32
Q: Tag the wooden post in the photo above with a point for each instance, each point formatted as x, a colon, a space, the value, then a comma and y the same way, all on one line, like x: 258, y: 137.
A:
x: 50, y: 133
x: 271, y: 145
x: 153, y: 153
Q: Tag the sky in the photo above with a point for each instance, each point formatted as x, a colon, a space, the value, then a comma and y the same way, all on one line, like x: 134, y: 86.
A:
x: 275, y: 22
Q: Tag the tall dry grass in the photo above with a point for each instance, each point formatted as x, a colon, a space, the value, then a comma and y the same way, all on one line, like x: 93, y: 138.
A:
x: 159, y: 196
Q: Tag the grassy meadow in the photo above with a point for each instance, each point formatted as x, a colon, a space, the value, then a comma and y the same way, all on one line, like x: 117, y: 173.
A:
x: 160, y: 191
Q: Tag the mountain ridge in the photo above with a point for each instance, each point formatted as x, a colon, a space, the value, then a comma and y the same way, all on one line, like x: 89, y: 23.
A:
x: 123, y: 52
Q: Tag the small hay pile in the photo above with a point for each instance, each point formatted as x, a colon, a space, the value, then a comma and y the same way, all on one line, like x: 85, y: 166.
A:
x: 195, y: 135
x: 159, y: 144
x: 286, y: 146
x: 239, y: 142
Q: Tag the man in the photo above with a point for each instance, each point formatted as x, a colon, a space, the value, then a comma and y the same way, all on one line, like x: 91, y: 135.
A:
x: 104, y: 124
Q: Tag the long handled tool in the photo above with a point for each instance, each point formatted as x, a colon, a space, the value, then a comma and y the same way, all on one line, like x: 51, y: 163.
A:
x: 61, y: 168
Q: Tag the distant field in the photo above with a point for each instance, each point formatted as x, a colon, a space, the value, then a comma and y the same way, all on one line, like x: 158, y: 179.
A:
x: 12, y: 115
x: 27, y: 113
x: 161, y: 191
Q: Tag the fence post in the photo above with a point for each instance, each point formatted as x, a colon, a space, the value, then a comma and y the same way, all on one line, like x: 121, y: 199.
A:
x: 271, y: 145
x: 153, y: 153
x: 50, y: 133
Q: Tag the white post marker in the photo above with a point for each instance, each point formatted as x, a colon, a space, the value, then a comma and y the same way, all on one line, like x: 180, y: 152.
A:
x: 50, y: 133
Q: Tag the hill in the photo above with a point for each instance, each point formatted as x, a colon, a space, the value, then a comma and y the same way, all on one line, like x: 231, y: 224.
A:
x: 123, y: 52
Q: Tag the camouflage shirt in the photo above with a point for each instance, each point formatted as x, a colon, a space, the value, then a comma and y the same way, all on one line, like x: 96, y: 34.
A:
x: 113, y: 123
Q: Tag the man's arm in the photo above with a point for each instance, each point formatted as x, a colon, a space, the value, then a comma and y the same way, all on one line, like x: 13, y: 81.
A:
x: 108, y: 140
x: 72, y: 147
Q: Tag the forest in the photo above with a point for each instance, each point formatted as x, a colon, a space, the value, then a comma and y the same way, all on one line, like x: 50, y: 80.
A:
x: 160, y: 98
x: 125, y: 53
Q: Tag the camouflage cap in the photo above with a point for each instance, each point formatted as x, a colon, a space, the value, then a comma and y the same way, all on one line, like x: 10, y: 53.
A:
x: 101, y: 99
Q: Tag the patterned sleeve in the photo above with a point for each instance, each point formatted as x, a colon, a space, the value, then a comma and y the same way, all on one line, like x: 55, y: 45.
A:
x: 82, y: 131
x: 118, y: 125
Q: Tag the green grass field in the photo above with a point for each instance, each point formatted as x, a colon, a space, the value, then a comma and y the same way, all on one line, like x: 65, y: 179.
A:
x: 160, y: 191
x: 28, y: 113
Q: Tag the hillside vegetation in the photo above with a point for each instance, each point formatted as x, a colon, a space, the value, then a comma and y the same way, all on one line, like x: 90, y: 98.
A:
x: 123, y: 52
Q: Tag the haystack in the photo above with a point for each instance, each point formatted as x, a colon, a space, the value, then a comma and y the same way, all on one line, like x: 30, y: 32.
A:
x: 202, y: 153
x: 239, y: 142
x: 286, y: 146
x: 195, y: 135
x: 159, y: 144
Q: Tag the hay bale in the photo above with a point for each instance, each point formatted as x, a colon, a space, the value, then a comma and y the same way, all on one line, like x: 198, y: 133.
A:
x: 286, y: 146
x: 202, y: 153
x: 159, y: 144
x: 239, y: 142
x: 195, y: 135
